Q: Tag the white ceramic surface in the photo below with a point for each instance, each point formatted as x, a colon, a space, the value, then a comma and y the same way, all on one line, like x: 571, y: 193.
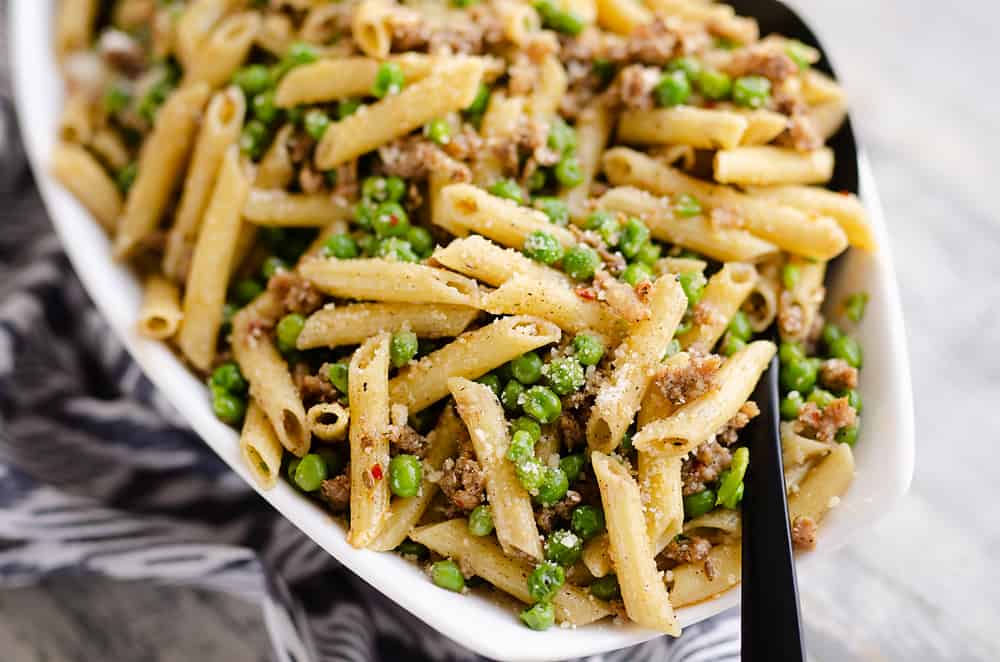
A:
x: 885, y: 461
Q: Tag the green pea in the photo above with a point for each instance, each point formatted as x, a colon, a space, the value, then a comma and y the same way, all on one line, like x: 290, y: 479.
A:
x: 126, y: 177
x: 264, y: 108
x: 527, y: 368
x: 394, y: 248
x: 554, y: 208
x: 562, y: 137
x: 714, y: 84
x: 587, y: 521
x: 543, y: 247
x: 729, y: 489
x: 293, y: 464
x: 799, y: 53
x: 421, y: 240
x: 448, y: 575
x: 364, y: 214
x: 513, y: 393
x: 751, y: 91
x: 391, y: 220
x: 288, y: 330
x: 568, y: 172
x: 634, y: 235
x: 687, y: 206
x: 545, y: 581
x: 116, y: 99
x: 691, y: 67
x: 310, y: 473
x: 847, y: 348
x: 854, y: 306
x: 542, y: 404
x: 732, y: 344
x: 699, y: 503
x: 673, y: 347
x: 530, y: 473
x: 341, y: 246
x: 507, y: 189
x: 604, y: 69
x: 438, y: 131
x: 565, y: 375
x: 389, y: 79
x: 478, y: 105
x: 402, y: 348
x: 227, y: 407
x: 798, y: 375
x: 635, y: 273
x: 253, y: 79
x: 229, y: 378
x: 649, y: 253
x: 316, y: 123
x: 300, y: 53
x: 537, y: 180
x: 790, y: 274
x: 563, y: 547
x: 405, y: 475
x: 791, y: 351
x: 338, y: 373
x: 528, y: 425
x: 554, y: 487
x: 252, y: 139
x: 740, y: 327
x: 368, y: 244
x: 347, y: 107
x: 604, y: 224
x: 246, y: 291
x: 272, y: 265
x: 395, y: 188
x: 606, y: 588
x: 413, y: 549
x: 581, y: 262
x: 672, y: 90
x: 375, y: 189
x: 791, y: 406
x: 820, y: 398
x: 539, y: 616
x: 521, y: 448
x: 481, y: 521
x: 572, y: 466
x: 589, y: 349
x: 830, y: 333
x: 492, y: 381
x: 693, y: 283
x: 853, y: 399
x: 558, y: 19
x: 847, y: 435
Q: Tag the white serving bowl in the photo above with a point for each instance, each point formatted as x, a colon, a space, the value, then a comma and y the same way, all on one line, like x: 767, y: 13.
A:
x: 884, y: 454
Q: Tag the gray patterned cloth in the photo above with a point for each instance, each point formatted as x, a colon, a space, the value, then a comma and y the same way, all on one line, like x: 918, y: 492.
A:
x: 98, y: 474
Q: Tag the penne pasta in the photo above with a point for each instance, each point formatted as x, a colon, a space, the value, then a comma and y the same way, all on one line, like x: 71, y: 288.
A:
x: 376, y: 279
x: 844, y: 207
x: 160, y: 314
x: 109, y: 147
x: 328, y: 421
x: 275, y: 207
x: 726, y: 291
x: 343, y: 78
x: 260, y: 448
x: 195, y: 25
x: 702, y: 128
x: 276, y: 170
x: 75, y: 168
x: 371, y: 27
x: 798, y: 306
x: 622, y: 16
x: 74, y: 29
x: 352, y: 324
x: 593, y: 130
x: 692, y: 583
x: 823, y: 485
x: 660, y: 484
x: 479, y: 258
x: 222, y: 53
x: 761, y: 166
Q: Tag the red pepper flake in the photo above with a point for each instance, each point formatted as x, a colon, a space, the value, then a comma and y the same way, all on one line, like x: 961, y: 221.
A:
x: 844, y: 192
x: 377, y: 471
x: 393, y: 220
x: 587, y: 293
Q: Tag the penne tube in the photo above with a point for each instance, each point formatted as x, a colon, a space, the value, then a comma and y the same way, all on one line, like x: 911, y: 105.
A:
x: 479, y: 258
x: 81, y: 174
x: 77, y: 123
x: 499, y: 219
x: 510, y: 503
x: 267, y: 373
x: 371, y: 27
x: 501, y: 120
x: 222, y: 53
x: 75, y: 26
x: 484, y: 557
x: 342, y: 78
x: 844, y: 207
x: 368, y: 382
x: 622, y: 16
x: 698, y: 234
x: 160, y: 165
x: 798, y: 306
x: 694, y: 422
x: 354, y: 323
x: 220, y: 129
x: 823, y: 485
x: 693, y: 10
x: 660, y: 484
x: 763, y: 126
x: 376, y: 279
x: 816, y: 237
x: 277, y: 33
x: 725, y: 292
x: 452, y: 87
x: 406, y: 512
x: 549, y: 89
x: 761, y: 306
x: 796, y: 449
x: 275, y: 207
x: 328, y: 421
x: 560, y: 305
x: 701, y: 128
x: 260, y: 448
x: 692, y: 583
x: 211, y: 263
x: 763, y: 165
x: 109, y: 147
x: 519, y: 21
x: 593, y: 130
x: 276, y: 170
x: 679, y: 265
x: 819, y: 88
x: 635, y: 362
x: 596, y: 556
x: 642, y: 588
x: 160, y: 314
x: 828, y: 117
x: 195, y: 25
x: 471, y: 355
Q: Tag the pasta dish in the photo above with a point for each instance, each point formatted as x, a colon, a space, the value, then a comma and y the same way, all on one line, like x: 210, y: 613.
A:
x: 492, y: 281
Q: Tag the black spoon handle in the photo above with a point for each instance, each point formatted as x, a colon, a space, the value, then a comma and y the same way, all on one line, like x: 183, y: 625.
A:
x: 771, y: 630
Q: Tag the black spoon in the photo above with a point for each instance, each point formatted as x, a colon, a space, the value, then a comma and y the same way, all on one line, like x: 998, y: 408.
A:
x: 771, y: 623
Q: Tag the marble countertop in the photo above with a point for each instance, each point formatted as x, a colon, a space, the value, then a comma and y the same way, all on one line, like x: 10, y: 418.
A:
x: 915, y: 587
